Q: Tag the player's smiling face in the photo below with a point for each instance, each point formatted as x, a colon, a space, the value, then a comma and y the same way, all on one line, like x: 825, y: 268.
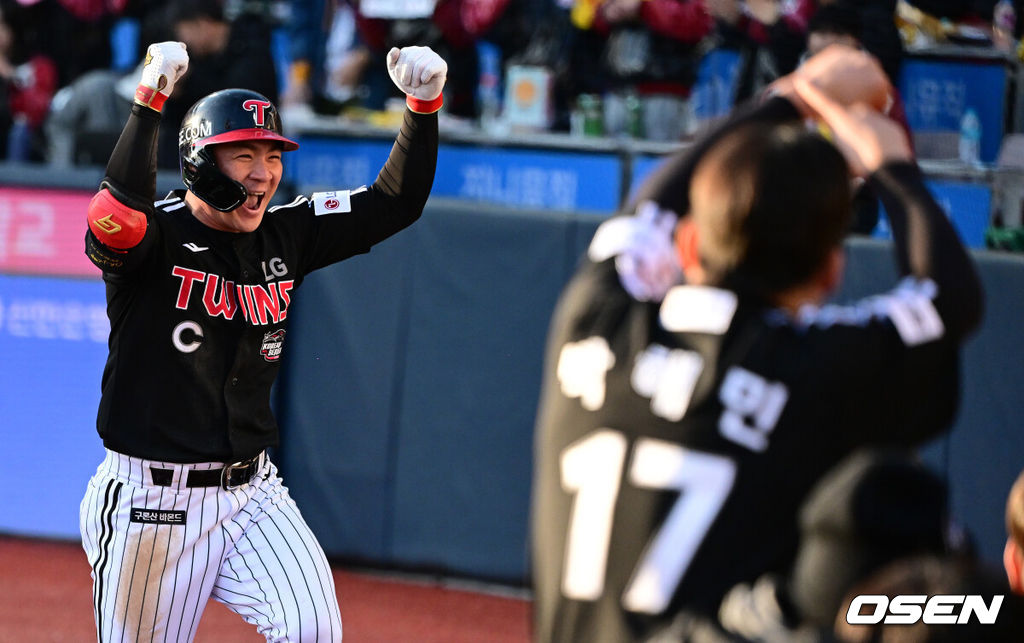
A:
x: 256, y: 165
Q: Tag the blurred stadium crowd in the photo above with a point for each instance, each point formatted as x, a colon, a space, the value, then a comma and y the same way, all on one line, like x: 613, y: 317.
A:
x: 612, y: 66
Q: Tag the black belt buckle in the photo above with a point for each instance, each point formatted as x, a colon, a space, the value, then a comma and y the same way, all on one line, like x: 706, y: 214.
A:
x: 239, y: 474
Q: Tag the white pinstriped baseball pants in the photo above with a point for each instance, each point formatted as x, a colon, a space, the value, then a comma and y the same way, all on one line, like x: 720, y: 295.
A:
x: 159, y: 553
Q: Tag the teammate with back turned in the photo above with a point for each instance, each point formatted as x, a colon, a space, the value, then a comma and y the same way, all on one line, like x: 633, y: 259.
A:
x: 187, y: 505
x: 681, y: 425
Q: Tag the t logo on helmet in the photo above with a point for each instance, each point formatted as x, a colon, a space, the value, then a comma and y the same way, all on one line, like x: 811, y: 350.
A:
x: 258, y: 108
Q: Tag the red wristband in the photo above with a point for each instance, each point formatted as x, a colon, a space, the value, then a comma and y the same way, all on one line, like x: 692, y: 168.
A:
x: 151, y: 98
x: 421, y: 106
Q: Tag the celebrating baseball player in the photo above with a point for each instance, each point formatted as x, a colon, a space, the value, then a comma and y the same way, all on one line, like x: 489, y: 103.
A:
x: 681, y: 424
x: 186, y: 505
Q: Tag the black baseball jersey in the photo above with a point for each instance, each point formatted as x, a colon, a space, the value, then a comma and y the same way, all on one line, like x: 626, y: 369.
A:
x: 199, y: 317
x: 676, y: 439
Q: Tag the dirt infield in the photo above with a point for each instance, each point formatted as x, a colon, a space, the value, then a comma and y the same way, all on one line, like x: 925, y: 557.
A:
x: 46, y: 595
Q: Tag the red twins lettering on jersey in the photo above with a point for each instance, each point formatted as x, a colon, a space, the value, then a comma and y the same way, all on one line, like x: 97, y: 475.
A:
x: 260, y: 305
x: 258, y: 109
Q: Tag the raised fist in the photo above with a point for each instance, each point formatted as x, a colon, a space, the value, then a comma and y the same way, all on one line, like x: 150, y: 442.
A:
x: 846, y: 75
x: 166, y: 63
x: 417, y: 71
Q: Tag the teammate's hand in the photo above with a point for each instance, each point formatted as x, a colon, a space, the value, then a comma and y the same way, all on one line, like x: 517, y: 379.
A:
x: 866, y: 138
x: 645, y: 256
x: 166, y: 63
x: 417, y: 71
x: 845, y: 74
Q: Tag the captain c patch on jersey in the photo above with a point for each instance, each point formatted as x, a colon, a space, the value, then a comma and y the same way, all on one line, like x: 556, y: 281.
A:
x: 273, y: 343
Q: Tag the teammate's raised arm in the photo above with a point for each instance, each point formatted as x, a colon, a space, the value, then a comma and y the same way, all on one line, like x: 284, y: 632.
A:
x: 927, y: 246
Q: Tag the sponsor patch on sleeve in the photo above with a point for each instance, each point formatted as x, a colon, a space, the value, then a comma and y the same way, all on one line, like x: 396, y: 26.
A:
x: 331, y: 202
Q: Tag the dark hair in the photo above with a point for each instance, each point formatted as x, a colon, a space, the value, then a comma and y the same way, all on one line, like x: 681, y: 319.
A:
x: 779, y: 203
x: 874, y: 507
x: 180, y: 11
x: 836, y: 19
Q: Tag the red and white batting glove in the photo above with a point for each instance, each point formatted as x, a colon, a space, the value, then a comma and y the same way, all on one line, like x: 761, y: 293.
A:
x: 420, y: 74
x: 166, y: 63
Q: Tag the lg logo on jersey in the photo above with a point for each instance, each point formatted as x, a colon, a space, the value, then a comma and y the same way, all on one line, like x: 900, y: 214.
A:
x: 277, y: 268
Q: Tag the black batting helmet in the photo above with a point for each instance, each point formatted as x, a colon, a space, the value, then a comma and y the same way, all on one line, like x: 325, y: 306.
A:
x: 224, y: 117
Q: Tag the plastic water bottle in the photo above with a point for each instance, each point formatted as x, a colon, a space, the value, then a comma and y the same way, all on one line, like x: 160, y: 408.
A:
x: 489, y: 87
x: 970, y: 137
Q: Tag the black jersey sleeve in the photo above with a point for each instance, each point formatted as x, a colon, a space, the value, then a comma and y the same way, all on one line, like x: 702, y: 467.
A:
x: 893, y: 359
x: 131, y: 178
x: 590, y: 303
x: 393, y: 202
x: 928, y: 248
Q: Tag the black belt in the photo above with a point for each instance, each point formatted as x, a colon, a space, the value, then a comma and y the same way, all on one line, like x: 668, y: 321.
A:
x: 229, y: 477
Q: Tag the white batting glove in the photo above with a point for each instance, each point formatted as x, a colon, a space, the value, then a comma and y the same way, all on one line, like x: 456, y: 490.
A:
x: 420, y: 74
x: 166, y: 63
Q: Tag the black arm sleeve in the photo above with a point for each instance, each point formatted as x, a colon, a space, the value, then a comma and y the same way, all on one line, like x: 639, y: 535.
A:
x: 394, y: 201
x: 403, y: 184
x: 131, y: 179
x: 131, y: 170
x: 669, y: 185
x: 928, y: 247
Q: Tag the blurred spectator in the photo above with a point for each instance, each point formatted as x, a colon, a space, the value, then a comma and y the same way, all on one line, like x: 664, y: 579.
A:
x: 87, y: 116
x: 544, y: 33
x: 452, y: 29
x: 879, y: 34
x: 968, y: 10
x: 345, y: 58
x: 224, y: 55
x: 326, y: 58
x: 74, y: 34
x: 977, y: 23
x: 648, y: 52
x: 769, y: 34
x: 1013, y: 554
x: 834, y: 23
x: 929, y: 576
x: 27, y: 83
x: 306, y: 29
